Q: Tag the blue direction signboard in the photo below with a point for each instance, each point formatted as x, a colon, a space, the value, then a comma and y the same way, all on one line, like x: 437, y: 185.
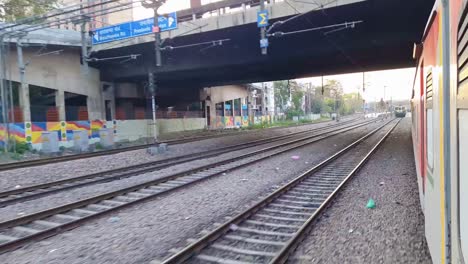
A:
x: 262, y: 18
x: 134, y: 29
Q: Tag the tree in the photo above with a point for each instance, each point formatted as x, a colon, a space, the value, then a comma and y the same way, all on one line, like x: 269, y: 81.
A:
x: 317, y: 105
x: 12, y: 10
x: 333, y: 88
x: 297, y: 95
x: 281, y: 94
x: 352, y: 103
x: 381, y: 105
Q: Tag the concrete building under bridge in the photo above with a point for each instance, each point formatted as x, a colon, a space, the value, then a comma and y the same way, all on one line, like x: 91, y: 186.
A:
x: 238, y: 105
x: 53, y: 91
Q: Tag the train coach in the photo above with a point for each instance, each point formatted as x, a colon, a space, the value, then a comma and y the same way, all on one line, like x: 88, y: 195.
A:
x: 439, y: 109
x: 400, y: 111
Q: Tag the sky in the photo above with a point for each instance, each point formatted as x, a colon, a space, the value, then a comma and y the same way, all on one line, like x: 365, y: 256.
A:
x: 390, y: 84
x: 393, y: 84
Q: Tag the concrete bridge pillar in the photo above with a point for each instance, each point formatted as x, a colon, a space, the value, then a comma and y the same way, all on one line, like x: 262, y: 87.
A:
x: 95, y: 108
x: 24, y: 101
x: 60, y: 104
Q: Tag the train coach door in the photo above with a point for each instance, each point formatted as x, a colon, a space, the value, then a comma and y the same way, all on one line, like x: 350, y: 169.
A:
x: 462, y: 111
x: 422, y: 131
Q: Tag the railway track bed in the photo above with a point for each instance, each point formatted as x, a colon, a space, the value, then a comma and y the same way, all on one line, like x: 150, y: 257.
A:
x: 71, y: 157
x: 42, y: 174
x: 30, y: 192
x: 392, y: 232
x: 269, y: 231
x: 46, y: 223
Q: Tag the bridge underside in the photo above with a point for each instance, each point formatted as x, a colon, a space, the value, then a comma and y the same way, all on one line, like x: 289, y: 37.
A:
x: 383, y: 41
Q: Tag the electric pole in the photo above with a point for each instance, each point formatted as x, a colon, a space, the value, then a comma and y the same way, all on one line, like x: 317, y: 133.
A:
x: 263, y: 31
x: 152, y: 85
x: 155, y: 5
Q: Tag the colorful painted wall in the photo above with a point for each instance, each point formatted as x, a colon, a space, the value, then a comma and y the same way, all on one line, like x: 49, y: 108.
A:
x: 131, y: 130
x: 219, y: 122
x: 31, y: 132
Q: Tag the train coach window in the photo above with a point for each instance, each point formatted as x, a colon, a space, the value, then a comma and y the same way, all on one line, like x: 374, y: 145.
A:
x: 429, y: 121
x: 430, y: 139
x: 463, y: 180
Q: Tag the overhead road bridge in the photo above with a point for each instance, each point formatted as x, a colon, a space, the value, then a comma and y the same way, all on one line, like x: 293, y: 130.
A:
x: 384, y: 40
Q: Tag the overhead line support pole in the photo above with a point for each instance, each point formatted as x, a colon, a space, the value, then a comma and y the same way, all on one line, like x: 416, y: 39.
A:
x: 263, y: 33
x: 152, y: 82
x: 24, y: 89
x: 157, y: 36
x: 2, y: 91
x: 84, y: 46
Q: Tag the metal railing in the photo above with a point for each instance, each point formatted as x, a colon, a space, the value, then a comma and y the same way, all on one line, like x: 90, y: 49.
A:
x: 142, y: 113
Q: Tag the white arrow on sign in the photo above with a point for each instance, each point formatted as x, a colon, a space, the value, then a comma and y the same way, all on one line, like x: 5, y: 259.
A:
x: 171, y: 21
x: 96, y: 36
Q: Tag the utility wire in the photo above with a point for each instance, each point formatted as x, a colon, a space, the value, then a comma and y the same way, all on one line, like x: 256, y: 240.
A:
x: 279, y: 23
x: 336, y: 45
x: 293, y: 7
x: 73, y: 8
x: 67, y: 20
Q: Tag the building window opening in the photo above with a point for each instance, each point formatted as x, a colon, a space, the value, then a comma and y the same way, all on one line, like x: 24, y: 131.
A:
x: 237, y: 107
x: 133, y: 108
x: 14, y: 111
x: 76, y: 108
x: 219, y: 109
x: 43, y: 107
x: 108, y: 105
x: 228, y: 106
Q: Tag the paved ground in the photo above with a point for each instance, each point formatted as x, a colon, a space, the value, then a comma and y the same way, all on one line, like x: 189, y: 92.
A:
x: 393, y: 232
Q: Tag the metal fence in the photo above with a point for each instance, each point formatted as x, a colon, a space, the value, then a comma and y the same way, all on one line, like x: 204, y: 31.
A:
x: 43, y: 113
x: 142, y: 113
x: 76, y: 113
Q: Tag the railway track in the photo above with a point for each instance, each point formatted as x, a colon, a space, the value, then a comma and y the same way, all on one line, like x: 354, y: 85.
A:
x: 44, y: 161
x: 19, y: 231
x: 269, y: 231
x: 31, y: 192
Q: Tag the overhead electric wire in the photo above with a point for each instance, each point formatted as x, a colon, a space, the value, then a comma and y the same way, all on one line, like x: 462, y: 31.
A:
x: 279, y: 23
x: 338, y: 47
x: 67, y: 20
x: 213, y: 42
x: 25, y: 21
x: 293, y: 7
x: 342, y: 25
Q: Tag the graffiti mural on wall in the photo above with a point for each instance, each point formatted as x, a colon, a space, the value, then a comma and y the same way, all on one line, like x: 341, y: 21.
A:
x: 31, y: 132
x: 36, y: 131
x: 16, y: 131
x: 229, y: 121
x: 238, y: 121
x: 245, y: 121
x: 96, y: 125
x: 77, y: 125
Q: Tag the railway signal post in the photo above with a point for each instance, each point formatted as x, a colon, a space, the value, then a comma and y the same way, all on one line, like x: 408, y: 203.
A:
x: 155, y: 5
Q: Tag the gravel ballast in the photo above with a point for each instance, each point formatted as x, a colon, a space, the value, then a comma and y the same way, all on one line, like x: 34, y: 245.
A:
x: 46, y: 173
x: 148, y: 231
x: 393, y: 232
x: 28, y: 207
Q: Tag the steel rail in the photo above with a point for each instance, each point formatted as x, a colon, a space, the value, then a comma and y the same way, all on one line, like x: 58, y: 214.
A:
x: 288, y: 246
x: 19, y: 231
x: 45, y: 161
x: 29, y: 192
